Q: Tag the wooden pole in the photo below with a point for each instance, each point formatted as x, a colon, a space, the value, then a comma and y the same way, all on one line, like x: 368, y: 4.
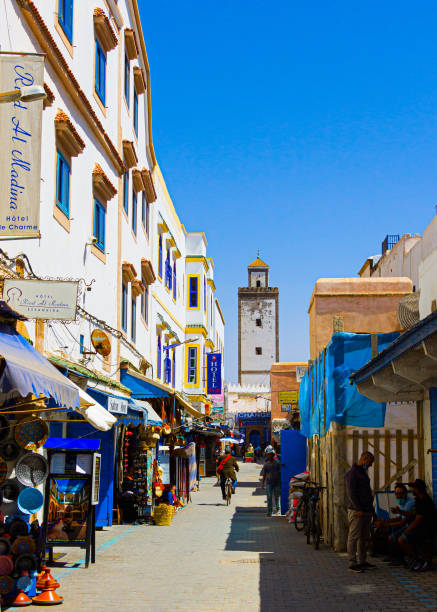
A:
x: 339, y: 515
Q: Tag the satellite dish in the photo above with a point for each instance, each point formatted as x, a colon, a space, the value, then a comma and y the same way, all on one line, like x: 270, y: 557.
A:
x: 101, y: 342
x: 408, y: 310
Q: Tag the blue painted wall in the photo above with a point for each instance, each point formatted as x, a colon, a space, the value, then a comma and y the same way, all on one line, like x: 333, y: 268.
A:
x: 293, y: 461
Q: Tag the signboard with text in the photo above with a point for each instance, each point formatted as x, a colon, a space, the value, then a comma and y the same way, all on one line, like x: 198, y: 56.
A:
x: 117, y: 405
x: 40, y: 299
x: 288, y: 397
x: 214, y: 373
x: 20, y: 153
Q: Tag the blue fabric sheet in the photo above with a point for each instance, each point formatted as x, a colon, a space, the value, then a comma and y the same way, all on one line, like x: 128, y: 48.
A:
x: 325, y: 393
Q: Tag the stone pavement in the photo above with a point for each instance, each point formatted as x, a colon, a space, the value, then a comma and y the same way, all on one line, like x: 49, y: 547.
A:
x: 218, y: 558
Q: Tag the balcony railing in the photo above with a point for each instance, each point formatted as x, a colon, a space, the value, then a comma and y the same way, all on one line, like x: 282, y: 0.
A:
x: 389, y: 241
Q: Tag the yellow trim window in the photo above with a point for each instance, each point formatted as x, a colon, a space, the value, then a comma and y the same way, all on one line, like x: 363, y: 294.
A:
x: 193, y: 283
x: 192, y: 370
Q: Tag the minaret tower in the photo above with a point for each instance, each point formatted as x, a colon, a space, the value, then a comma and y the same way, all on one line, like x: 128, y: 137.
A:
x: 258, y: 326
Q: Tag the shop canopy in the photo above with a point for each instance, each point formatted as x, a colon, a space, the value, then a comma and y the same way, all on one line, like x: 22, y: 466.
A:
x: 141, y: 386
x: 188, y: 407
x: 229, y: 440
x: 95, y: 413
x: 73, y: 444
x: 152, y: 416
x: 26, y: 371
x: 131, y: 413
x: 406, y: 369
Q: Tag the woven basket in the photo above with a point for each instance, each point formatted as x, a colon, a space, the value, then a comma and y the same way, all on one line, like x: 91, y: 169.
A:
x: 163, y: 514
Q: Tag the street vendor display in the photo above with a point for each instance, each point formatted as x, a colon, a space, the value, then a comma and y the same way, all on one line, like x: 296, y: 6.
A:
x: 21, y: 471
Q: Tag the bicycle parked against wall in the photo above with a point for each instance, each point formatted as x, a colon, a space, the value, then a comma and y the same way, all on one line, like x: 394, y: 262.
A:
x: 307, y: 516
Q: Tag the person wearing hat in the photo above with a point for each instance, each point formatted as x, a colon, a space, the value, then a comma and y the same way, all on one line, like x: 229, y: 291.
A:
x: 421, y: 528
x: 227, y: 468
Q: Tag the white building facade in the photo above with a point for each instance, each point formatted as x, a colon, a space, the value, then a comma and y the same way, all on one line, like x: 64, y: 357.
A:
x: 106, y: 215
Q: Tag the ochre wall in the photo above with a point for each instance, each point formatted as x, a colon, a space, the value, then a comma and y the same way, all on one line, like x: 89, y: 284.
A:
x: 282, y: 378
x: 366, y: 305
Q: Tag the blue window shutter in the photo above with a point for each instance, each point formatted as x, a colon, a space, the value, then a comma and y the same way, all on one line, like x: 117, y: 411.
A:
x: 102, y: 226
x: 124, y: 307
x: 58, y: 178
x: 143, y: 208
x: 135, y: 111
x: 96, y: 220
x: 104, y: 77
x: 100, y: 84
x: 160, y: 256
x: 65, y: 17
x: 126, y: 192
x: 134, y: 211
x: 173, y: 374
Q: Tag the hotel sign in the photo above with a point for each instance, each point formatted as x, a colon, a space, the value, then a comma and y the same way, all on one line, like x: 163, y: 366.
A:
x: 39, y: 299
x: 214, y: 373
x: 20, y: 151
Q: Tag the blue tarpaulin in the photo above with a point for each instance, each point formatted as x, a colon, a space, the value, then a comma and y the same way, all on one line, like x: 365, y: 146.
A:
x: 325, y: 393
x: 27, y: 371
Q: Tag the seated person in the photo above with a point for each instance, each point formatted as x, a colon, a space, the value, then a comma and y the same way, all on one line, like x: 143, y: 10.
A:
x: 400, y: 521
x: 169, y: 497
x: 420, y: 529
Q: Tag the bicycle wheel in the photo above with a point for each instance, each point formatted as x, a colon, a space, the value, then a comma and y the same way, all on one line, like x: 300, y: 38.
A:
x: 309, y: 524
x: 299, y: 517
x: 317, y: 530
x: 228, y: 493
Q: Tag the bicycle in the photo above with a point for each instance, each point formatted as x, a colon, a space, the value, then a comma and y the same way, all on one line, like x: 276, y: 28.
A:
x: 228, y: 490
x: 301, y: 512
x: 314, y: 528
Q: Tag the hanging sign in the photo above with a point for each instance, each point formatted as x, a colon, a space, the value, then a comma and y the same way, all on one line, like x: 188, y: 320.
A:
x: 116, y: 405
x: 39, y: 299
x: 20, y: 153
x: 214, y: 373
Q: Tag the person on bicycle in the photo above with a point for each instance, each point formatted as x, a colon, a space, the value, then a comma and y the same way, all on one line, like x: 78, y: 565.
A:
x: 227, y: 468
x: 271, y: 478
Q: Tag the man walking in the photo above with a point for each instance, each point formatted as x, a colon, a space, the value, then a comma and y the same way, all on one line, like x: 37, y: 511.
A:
x: 271, y: 479
x: 360, y: 512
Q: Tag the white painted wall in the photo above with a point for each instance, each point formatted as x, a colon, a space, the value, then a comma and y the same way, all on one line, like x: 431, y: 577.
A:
x: 253, y: 336
x: 64, y: 254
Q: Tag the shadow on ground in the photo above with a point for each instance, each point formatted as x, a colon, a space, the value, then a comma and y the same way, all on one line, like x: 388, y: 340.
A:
x: 294, y: 576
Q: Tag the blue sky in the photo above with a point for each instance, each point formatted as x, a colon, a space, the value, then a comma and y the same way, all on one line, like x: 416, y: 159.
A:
x: 305, y: 129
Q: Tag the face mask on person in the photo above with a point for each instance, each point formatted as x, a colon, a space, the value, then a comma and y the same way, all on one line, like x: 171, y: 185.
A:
x: 400, y: 501
x: 365, y: 467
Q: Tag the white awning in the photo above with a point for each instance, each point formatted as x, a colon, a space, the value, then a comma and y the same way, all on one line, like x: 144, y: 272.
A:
x: 152, y: 417
x: 95, y: 413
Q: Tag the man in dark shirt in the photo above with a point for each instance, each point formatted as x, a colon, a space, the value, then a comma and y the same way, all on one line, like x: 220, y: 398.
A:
x: 360, y: 512
x: 271, y: 478
x: 421, y: 527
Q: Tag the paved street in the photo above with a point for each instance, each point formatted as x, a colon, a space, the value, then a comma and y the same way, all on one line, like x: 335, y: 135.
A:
x: 216, y: 558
